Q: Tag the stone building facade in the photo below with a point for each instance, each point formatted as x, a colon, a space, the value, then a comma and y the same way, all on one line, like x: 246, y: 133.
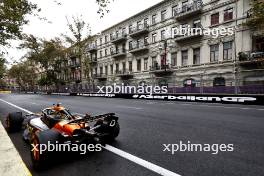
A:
x: 144, y: 49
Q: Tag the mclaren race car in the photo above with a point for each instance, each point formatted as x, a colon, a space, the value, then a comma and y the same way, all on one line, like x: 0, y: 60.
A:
x: 57, y: 124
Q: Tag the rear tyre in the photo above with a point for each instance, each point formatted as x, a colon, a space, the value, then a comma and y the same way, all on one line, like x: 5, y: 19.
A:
x: 14, y: 122
x: 111, y: 131
x: 41, y: 140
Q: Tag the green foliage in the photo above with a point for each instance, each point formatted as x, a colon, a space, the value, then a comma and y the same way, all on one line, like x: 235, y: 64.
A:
x: 24, y: 74
x: 13, y: 17
x: 256, y: 14
x: 48, y: 54
x: 2, y: 66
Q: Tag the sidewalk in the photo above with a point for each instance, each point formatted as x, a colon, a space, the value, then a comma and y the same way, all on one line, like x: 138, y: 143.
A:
x: 10, y: 161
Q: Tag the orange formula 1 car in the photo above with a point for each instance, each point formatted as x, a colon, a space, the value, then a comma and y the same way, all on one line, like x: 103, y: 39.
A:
x: 57, y: 125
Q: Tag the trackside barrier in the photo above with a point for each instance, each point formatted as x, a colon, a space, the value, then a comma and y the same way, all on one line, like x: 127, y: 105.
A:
x: 208, y: 98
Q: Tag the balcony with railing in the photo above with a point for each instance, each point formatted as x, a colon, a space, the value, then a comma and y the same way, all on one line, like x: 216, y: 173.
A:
x: 74, y: 65
x: 118, y: 53
x: 161, y: 69
x: 139, y: 30
x: 190, y: 33
x: 139, y: 47
x: 124, y: 74
x: 92, y: 48
x: 93, y: 60
x: 251, y: 58
x: 189, y: 10
x: 119, y: 38
x: 100, y: 76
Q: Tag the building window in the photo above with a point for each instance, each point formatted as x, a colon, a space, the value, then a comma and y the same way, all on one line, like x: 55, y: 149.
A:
x: 228, y: 14
x: 139, y: 65
x: 101, y: 41
x: 139, y: 26
x: 117, y: 68
x: 106, y: 70
x: 138, y: 43
x: 154, y: 19
x: 130, y: 28
x: 101, y: 70
x: 184, y: 57
x: 145, y: 22
x: 111, y: 69
x: 106, y: 40
x: 215, y: 19
x: 219, y: 81
x: 173, y: 59
x: 130, y: 44
x: 174, y: 10
x: 154, y: 62
x: 124, y: 31
x: 124, y: 66
x: 146, y: 64
x: 101, y: 54
x: 111, y: 36
x: 130, y: 66
x: 154, y: 37
x: 163, y: 35
x: 146, y: 40
x: 106, y: 52
x: 184, y: 6
x: 214, y: 53
x: 116, y: 34
x: 196, y: 56
x: 228, y: 50
x: 163, y: 15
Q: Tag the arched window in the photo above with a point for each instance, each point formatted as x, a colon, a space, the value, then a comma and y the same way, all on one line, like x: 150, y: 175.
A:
x: 219, y: 81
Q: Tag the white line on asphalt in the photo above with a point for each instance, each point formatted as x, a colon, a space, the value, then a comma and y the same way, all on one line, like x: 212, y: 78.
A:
x: 135, y: 159
x: 140, y: 161
x: 129, y: 107
x: 11, y: 104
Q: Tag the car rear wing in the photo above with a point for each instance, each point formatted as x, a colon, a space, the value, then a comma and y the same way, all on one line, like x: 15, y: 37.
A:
x: 88, y: 118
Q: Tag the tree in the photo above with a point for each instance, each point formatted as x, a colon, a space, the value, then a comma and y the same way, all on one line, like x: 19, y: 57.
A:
x: 79, y: 35
x: 48, y: 54
x: 13, y: 17
x: 2, y: 66
x: 103, y: 4
x: 24, y: 74
x: 256, y: 14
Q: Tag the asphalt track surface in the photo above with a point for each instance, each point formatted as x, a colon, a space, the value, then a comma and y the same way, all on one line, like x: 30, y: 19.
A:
x: 147, y: 125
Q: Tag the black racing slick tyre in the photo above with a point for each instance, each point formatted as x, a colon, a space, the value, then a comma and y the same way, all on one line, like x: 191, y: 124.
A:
x: 40, y: 141
x: 14, y: 122
x: 111, y: 131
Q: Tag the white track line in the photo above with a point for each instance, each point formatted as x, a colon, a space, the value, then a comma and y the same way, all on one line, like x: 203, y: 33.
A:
x: 140, y: 161
x: 135, y: 159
